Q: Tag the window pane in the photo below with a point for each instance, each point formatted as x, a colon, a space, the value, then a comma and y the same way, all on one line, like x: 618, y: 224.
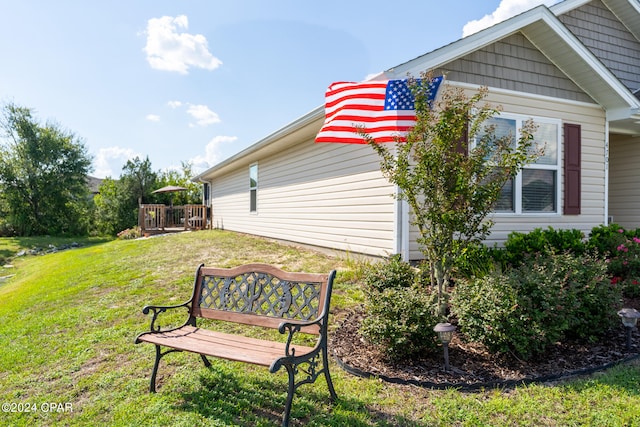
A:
x: 253, y: 202
x: 503, y: 128
x: 538, y: 190
x: 253, y: 176
x: 505, y: 201
x: 546, y: 138
x: 253, y: 188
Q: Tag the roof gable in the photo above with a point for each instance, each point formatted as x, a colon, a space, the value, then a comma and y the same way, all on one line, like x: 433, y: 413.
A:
x: 628, y: 12
x: 547, y: 33
x: 607, y: 37
x: 514, y: 63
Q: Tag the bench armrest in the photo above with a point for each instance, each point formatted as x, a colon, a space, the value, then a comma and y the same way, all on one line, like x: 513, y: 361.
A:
x: 293, y: 327
x: 157, y: 310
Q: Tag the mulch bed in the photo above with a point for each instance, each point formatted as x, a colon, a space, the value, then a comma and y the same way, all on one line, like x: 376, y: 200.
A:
x: 471, y: 365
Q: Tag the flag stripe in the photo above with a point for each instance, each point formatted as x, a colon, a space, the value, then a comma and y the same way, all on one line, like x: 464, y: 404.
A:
x: 384, y: 110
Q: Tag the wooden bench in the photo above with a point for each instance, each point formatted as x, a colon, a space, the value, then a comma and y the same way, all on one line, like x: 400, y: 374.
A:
x: 255, y: 295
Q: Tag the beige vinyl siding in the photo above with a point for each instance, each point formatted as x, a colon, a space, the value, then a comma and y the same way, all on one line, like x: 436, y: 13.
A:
x: 624, y: 179
x: 592, y: 120
x: 328, y: 195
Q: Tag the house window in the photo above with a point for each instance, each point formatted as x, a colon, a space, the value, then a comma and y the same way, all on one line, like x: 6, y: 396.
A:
x: 205, y: 194
x: 535, y: 189
x: 253, y: 188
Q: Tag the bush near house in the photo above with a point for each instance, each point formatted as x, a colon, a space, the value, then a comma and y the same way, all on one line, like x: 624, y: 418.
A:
x: 400, y: 310
x: 621, y: 248
x: 548, y: 298
x: 540, y: 241
x: 540, y: 288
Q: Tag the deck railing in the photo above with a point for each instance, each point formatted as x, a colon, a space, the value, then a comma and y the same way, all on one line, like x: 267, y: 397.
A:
x: 155, y: 218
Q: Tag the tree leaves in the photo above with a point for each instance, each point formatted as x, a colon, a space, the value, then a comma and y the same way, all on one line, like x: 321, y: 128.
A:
x: 452, y: 191
x: 43, y: 176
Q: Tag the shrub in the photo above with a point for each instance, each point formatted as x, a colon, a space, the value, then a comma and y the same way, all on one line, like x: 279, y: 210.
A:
x: 130, y: 233
x: 394, y: 273
x: 476, y: 261
x: 630, y: 287
x: 622, y: 250
x: 399, y: 312
x: 400, y: 321
x: 591, y: 295
x: 541, y: 241
x: 546, y: 299
x: 604, y: 239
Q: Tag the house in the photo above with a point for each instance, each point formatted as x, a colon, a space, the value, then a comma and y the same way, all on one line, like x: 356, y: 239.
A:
x: 574, y: 68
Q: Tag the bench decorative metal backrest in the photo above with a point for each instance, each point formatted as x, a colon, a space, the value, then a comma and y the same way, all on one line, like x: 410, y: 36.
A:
x: 270, y: 294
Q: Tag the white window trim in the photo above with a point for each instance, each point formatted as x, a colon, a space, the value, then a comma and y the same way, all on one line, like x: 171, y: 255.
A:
x: 518, y: 212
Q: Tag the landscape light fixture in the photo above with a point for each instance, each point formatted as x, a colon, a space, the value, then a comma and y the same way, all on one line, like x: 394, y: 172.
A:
x: 629, y: 317
x: 445, y: 334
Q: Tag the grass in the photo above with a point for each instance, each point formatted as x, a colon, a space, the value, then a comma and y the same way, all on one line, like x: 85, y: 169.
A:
x: 68, y: 320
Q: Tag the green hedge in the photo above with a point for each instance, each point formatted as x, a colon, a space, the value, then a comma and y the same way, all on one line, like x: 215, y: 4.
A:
x: 546, y: 299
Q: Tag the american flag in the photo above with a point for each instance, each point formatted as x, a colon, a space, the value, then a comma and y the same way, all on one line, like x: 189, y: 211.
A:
x: 384, y: 109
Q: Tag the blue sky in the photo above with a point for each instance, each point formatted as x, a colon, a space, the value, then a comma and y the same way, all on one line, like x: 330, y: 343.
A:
x: 200, y: 80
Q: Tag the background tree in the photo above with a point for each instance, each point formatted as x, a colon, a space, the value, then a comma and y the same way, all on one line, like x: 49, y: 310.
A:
x: 118, y: 200
x: 112, y: 209
x: 43, y: 176
x: 139, y: 180
x: 180, y: 178
x: 450, y: 186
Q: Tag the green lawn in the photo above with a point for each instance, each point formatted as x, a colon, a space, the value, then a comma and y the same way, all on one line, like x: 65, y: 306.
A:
x: 68, y: 321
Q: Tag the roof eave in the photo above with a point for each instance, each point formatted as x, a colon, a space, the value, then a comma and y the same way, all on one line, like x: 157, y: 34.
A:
x: 277, y: 136
x: 466, y: 45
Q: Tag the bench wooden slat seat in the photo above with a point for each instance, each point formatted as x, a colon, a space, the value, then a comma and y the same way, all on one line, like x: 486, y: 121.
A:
x: 223, y: 345
x: 254, y: 295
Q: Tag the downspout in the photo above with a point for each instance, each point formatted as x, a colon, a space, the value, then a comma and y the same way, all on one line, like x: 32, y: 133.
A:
x: 606, y: 173
x: 401, y: 226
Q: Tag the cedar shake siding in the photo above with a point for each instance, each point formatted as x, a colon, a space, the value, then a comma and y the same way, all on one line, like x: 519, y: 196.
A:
x: 608, y: 39
x: 514, y: 63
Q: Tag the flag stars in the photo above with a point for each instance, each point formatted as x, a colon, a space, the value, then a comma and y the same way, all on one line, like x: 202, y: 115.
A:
x: 398, y: 96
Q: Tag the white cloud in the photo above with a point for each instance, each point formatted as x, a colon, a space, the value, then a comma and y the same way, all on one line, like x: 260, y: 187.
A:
x: 212, y: 153
x: 203, y: 115
x: 152, y: 117
x: 506, y: 9
x: 174, y: 104
x: 112, y: 158
x: 169, y: 50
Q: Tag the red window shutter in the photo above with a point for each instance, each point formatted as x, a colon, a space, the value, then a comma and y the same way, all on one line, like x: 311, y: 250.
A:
x: 462, y: 145
x: 572, y: 160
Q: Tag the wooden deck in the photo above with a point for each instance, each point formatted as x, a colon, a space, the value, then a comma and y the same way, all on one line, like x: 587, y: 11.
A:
x: 155, y: 219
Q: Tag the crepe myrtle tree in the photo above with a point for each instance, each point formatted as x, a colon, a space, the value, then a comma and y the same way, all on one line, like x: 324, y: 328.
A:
x: 451, y: 170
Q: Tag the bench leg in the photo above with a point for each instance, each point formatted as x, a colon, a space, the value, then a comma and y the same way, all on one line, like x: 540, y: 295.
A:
x: 290, y: 391
x: 325, y: 361
x: 159, y: 354
x: 206, y: 361
x: 152, y: 385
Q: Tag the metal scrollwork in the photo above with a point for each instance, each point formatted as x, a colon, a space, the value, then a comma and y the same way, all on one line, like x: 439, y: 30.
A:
x: 292, y: 328
x: 285, y: 298
x: 158, y: 310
